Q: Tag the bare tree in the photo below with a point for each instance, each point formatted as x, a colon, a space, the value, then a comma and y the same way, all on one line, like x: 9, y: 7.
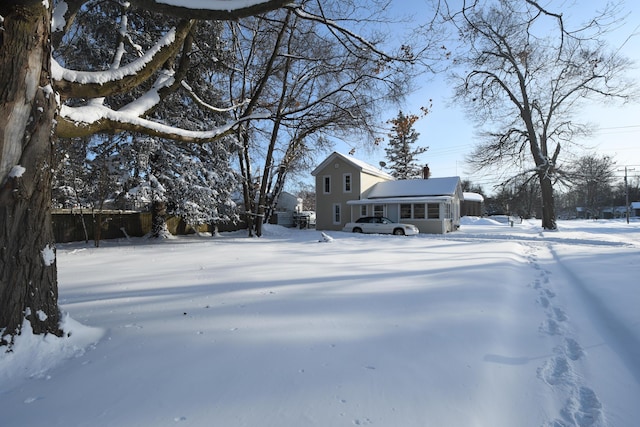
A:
x: 316, y: 80
x: 592, y: 178
x: 523, y: 76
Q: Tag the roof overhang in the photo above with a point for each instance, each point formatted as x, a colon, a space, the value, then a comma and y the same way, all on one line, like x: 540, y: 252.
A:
x: 395, y: 200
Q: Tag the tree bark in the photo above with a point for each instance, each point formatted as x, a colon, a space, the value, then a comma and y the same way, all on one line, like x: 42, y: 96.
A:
x: 548, y: 202
x: 158, y: 219
x: 28, y: 276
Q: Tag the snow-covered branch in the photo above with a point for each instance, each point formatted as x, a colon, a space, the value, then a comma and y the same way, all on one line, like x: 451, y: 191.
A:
x: 210, y: 9
x: 92, y: 119
x: 94, y: 84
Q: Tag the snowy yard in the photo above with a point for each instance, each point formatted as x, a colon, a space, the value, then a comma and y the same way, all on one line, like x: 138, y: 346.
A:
x: 492, y: 326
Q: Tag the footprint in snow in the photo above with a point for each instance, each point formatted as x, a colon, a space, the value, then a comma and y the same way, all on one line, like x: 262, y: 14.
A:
x: 573, y: 350
x: 583, y: 409
x: 559, y: 314
x: 550, y: 327
x: 555, y: 371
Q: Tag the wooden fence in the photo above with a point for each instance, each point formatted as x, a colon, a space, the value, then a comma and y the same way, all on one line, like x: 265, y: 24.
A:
x: 68, y: 225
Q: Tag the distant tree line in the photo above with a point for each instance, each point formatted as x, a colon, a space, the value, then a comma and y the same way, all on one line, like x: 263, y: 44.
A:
x: 589, y: 187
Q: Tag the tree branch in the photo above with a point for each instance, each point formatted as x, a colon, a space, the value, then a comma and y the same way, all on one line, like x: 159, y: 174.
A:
x: 217, y: 10
x: 73, y: 123
x: 95, y: 84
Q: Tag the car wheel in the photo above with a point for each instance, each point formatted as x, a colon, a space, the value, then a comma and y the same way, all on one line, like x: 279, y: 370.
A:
x: 357, y: 230
x: 398, y: 232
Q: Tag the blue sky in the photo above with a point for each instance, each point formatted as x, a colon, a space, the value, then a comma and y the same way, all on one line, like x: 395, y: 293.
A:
x: 450, y: 135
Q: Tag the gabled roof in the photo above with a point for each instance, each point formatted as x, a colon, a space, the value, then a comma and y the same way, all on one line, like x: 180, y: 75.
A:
x: 359, y: 164
x: 415, y: 188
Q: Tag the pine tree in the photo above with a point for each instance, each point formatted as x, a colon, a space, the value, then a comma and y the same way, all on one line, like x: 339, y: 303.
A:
x: 400, y: 153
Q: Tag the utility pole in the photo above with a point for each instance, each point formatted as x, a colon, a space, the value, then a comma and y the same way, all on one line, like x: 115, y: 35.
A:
x: 626, y: 192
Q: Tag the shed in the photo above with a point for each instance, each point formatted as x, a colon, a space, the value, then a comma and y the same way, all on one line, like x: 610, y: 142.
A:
x: 472, y: 204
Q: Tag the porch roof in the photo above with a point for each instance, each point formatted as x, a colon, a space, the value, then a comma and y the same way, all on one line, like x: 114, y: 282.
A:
x: 394, y: 200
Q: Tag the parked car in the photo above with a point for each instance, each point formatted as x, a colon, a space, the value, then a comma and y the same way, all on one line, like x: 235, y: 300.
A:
x: 380, y: 225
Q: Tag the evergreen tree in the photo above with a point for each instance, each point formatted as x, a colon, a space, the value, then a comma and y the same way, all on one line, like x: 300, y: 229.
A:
x: 400, y: 153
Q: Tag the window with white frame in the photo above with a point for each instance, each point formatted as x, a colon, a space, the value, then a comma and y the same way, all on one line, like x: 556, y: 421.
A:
x: 447, y: 211
x: 346, y: 180
x: 363, y: 210
x: 433, y: 210
x: 337, y: 217
x: 405, y: 211
x: 326, y: 185
x: 412, y: 211
x: 378, y: 210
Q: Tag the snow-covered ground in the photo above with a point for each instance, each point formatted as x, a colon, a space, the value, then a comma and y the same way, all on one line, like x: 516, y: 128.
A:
x: 492, y: 326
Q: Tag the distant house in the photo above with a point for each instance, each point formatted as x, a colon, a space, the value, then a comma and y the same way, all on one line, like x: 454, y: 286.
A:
x: 289, y: 212
x: 347, y: 189
x: 635, y: 209
x: 613, y: 212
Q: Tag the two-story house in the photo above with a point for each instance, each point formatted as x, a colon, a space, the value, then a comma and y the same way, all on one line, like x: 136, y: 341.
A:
x: 339, y: 179
x: 347, y: 189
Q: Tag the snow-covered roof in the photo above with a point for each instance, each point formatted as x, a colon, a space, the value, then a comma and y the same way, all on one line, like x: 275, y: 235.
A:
x: 415, y: 188
x: 472, y: 197
x: 635, y: 205
x: 362, y: 166
x: 414, y: 199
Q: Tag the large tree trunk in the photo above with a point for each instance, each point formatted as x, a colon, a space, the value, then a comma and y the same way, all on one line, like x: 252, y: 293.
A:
x: 159, y: 220
x: 28, y: 276
x: 548, y: 203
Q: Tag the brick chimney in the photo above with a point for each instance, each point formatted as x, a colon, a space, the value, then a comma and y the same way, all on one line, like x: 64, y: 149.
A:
x: 426, y: 173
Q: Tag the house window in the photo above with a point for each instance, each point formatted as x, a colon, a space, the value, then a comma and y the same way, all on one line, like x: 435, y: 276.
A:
x: 447, y: 211
x: 405, y: 211
x: 378, y: 210
x: 337, y: 218
x: 347, y: 183
x: 433, y: 210
x: 363, y: 210
x: 412, y: 211
x: 327, y: 185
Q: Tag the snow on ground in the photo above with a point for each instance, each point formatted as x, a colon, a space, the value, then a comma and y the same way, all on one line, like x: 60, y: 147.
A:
x: 490, y: 326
